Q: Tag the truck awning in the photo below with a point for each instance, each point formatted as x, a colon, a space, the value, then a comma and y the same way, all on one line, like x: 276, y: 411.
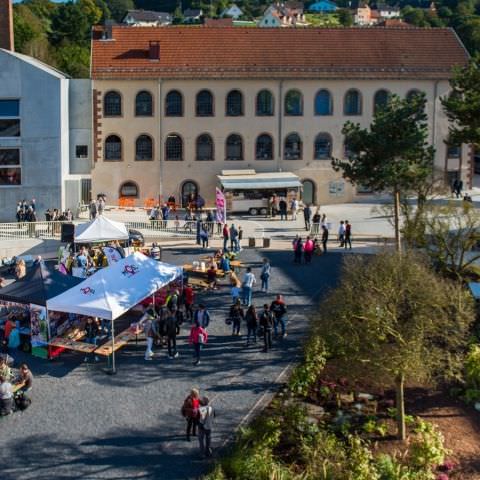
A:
x: 260, y: 181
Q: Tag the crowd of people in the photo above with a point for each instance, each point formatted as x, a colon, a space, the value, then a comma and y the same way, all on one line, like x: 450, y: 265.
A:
x: 27, y: 212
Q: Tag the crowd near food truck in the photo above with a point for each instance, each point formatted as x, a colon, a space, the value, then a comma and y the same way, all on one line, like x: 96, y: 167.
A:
x: 249, y: 192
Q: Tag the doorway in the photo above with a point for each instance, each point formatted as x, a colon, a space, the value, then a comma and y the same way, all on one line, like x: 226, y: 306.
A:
x: 189, y: 192
x: 308, y: 194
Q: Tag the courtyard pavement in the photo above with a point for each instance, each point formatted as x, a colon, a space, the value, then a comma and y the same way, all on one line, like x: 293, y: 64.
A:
x: 85, y: 424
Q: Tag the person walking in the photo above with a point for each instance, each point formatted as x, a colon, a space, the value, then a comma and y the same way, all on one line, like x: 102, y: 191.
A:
x: 341, y: 233
x: 92, y: 210
x: 251, y: 318
x: 235, y: 290
x: 204, y: 236
x: 324, y: 238
x: 316, y: 222
x: 149, y: 328
x: 202, y: 316
x: 188, y: 299
x: 294, y: 208
x: 279, y: 310
x: 348, y: 234
x: 236, y: 316
x: 298, y: 251
x: 307, y: 214
x: 240, y: 238
x: 265, y: 274
x: 205, y: 424
x: 198, y: 337
x: 190, y: 411
x: 266, y: 324
x: 282, y: 205
x: 171, y: 333
x: 249, y: 281
x: 225, y: 237
x: 308, y: 249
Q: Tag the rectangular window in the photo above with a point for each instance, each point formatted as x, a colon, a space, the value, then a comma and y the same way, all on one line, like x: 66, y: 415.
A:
x: 9, y: 108
x: 10, y: 170
x: 453, y: 151
x: 9, y: 128
x: 81, y: 151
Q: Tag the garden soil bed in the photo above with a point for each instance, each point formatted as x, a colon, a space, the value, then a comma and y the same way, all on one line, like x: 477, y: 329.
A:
x: 459, y: 423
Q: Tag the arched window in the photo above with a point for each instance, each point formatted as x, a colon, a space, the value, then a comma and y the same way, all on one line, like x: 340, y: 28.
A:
x: 204, y: 147
x: 234, y: 106
x: 308, y: 192
x: 293, y: 147
x: 189, y: 193
x: 113, y: 148
x: 144, y: 148
x: 129, y: 189
x: 174, y: 104
x: 323, y: 146
x: 204, y: 106
x: 293, y: 103
x: 144, y: 104
x: 264, y: 106
x: 112, y: 104
x: 264, y: 147
x: 323, y: 103
x: 234, y: 147
x: 353, y: 103
x: 174, y: 148
x: 380, y: 100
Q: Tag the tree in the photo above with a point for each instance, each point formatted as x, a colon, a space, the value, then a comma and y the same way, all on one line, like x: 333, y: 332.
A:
x: 70, y: 24
x: 393, y: 154
x: 118, y: 8
x: 392, y: 320
x: 462, y: 106
x: 345, y: 17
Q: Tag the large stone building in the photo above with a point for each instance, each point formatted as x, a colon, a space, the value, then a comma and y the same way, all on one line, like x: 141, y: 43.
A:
x: 45, y: 131
x: 173, y: 107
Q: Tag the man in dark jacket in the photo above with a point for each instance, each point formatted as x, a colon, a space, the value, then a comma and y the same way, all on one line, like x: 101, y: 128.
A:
x: 282, y: 206
x: 324, y: 238
x: 266, y: 323
x: 91, y: 334
x: 279, y: 310
x: 307, y: 215
x: 171, y: 332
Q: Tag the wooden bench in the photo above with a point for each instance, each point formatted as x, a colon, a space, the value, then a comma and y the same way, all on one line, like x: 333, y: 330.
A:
x: 120, y: 341
x: 198, y: 282
x: 72, y: 345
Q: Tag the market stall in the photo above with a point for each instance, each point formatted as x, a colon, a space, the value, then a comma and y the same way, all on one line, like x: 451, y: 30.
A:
x: 100, y: 230
x: 112, y: 291
x: 25, y: 300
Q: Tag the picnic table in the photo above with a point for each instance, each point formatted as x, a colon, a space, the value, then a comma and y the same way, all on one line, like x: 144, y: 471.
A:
x: 75, y: 345
x: 120, y: 341
x: 188, y: 267
x: 198, y: 282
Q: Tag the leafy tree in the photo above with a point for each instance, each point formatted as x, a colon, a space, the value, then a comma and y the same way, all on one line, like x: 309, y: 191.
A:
x: 118, y: 8
x: 27, y: 27
x: 73, y: 60
x: 392, y: 320
x: 462, y: 106
x: 392, y: 154
x: 70, y: 23
x: 345, y: 17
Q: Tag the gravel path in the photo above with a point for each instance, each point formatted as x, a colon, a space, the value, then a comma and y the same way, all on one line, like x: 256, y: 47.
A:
x: 86, y: 424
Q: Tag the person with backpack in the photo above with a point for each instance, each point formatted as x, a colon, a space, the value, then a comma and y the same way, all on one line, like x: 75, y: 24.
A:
x: 206, y: 414
x: 252, y: 324
x: 236, y: 316
x: 198, y: 337
x: 265, y: 274
x: 266, y: 324
x: 190, y: 409
x: 279, y: 310
x: 171, y: 330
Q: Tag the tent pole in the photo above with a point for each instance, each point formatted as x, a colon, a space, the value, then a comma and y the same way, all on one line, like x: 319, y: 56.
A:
x: 114, y: 371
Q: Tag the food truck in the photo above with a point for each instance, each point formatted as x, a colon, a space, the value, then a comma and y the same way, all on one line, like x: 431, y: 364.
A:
x: 248, y: 191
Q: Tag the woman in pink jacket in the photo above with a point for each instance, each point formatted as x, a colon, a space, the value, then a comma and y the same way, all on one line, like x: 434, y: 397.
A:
x: 198, y: 337
x: 308, y: 248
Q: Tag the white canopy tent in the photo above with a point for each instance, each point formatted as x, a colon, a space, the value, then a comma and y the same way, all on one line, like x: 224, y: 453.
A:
x: 112, y: 291
x: 101, y: 229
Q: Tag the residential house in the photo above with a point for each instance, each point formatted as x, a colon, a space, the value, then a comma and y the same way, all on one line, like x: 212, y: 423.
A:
x: 272, y: 18
x: 192, y: 15
x: 233, y: 11
x: 387, y: 11
x: 323, y: 6
x: 283, y: 15
x: 147, y: 18
x: 365, y: 16
x: 176, y: 108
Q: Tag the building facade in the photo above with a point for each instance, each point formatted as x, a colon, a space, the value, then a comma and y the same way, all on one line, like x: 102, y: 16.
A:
x: 168, y: 126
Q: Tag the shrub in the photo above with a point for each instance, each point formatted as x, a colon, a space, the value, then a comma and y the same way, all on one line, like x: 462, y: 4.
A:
x: 472, y: 367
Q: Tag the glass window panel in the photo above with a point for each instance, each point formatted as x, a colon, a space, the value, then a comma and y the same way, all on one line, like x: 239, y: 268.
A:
x: 10, y: 176
x: 323, y: 103
x: 9, y: 156
x: 9, y: 108
x: 9, y: 128
x: 143, y: 104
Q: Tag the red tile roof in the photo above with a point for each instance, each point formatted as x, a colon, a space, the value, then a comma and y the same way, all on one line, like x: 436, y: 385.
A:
x: 234, y: 52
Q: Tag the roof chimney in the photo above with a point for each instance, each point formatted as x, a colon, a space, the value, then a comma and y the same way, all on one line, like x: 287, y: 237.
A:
x: 6, y: 25
x: 154, y: 51
x: 107, y: 33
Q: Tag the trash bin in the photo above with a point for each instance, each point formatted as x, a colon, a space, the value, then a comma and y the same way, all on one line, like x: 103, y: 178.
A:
x: 251, y: 242
x: 266, y: 242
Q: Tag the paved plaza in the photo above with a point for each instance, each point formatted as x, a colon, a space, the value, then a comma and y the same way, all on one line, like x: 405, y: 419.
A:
x: 86, y: 424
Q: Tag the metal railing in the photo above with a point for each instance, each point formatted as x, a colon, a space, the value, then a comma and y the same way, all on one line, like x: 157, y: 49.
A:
x: 152, y: 228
